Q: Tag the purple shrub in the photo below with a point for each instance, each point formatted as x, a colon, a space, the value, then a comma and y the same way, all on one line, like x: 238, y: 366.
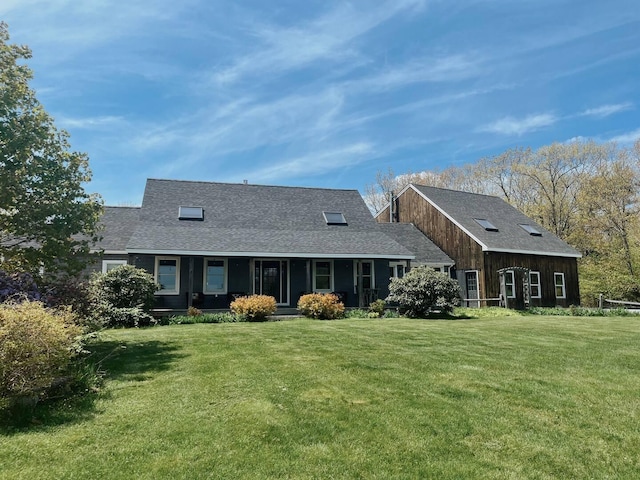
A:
x: 18, y: 287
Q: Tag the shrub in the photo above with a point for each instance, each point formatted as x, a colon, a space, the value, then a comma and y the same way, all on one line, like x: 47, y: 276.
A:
x: 423, y: 290
x: 36, y: 346
x: 377, y: 307
x: 18, y: 287
x: 326, y: 306
x: 71, y: 292
x: 356, y: 313
x: 124, y: 287
x: 128, y: 317
x: 254, y: 307
x: 193, y: 311
x: 123, y: 297
x: 218, y: 317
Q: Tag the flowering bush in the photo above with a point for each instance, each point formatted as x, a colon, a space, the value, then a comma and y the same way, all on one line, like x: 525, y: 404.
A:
x: 324, y: 306
x: 422, y: 290
x: 254, y: 307
x: 123, y: 297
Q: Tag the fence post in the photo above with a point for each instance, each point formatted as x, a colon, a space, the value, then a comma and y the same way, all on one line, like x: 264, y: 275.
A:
x: 601, y: 301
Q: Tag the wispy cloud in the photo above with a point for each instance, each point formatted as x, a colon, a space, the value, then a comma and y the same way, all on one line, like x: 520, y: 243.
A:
x: 319, y: 161
x: 90, y: 123
x: 327, y: 38
x: 626, y: 138
x: 606, y: 110
x: 514, y: 126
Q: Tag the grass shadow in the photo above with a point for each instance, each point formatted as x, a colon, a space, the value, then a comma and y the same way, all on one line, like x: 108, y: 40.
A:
x: 76, y: 402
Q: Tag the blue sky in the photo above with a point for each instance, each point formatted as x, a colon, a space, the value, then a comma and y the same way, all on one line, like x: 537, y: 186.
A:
x: 324, y: 93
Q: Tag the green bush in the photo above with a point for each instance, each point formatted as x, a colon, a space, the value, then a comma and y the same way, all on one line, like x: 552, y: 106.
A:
x: 423, y: 290
x: 220, y: 317
x: 123, y: 297
x: 326, y: 306
x: 36, y: 346
x: 356, y: 313
x: 255, y: 308
x: 377, y: 308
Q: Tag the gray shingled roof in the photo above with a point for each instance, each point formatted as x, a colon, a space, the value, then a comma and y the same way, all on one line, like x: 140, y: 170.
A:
x: 463, y: 207
x: 408, y: 235
x: 248, y: 220
x: 118, y: 224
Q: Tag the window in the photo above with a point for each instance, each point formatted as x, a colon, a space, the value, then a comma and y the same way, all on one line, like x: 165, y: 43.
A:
x: 168, y: 275
x: 534, y: 284
x: 509, y: 284
x: 396, y: 269
x: 191, y: 213
x: 559, y: 282
x: 368, y: 275
x: 323, y: 275
x: 486, y: 224
x: 334, y: 218
x: 108, y: 265
x: 531, y: 230
x: 215, y: 275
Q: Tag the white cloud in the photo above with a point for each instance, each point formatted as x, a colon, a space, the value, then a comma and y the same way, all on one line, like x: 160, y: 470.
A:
x: 89, y: 122
x: 606, y: 110
x: 327, y: 38
x: 514, y: 126
x: 320, y: 162
x: 628, y: 137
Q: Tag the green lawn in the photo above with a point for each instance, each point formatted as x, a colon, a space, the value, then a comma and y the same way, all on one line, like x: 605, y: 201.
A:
x: 510, y: 397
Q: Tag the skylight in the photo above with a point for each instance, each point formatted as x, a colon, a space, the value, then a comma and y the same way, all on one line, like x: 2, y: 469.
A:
x: 334, y: 218
x: 531, y: 230
x: 191, y: 213
x: 486, y: 224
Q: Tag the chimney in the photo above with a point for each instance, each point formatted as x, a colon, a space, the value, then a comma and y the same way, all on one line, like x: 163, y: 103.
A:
x: 246, y: 182
x: 392, y: 202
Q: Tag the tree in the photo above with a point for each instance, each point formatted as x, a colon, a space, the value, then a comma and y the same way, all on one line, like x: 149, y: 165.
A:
x: 46, y: 217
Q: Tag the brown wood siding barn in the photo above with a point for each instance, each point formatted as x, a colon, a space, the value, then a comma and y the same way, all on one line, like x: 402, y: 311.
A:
x: 411, y: 207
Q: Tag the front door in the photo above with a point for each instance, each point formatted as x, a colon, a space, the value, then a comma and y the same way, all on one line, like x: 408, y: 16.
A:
x: 271, y: 277
x: 472, y: 288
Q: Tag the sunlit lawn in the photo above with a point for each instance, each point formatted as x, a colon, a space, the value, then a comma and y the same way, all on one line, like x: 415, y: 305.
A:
x: 509, y: 397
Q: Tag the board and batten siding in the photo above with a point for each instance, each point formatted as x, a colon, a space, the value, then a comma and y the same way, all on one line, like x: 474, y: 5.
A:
x: 546, y: 265
x: 411, y: 207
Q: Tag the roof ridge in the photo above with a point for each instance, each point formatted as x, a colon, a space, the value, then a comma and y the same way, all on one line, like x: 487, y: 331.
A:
x: 204, y: 182
x: 458, y: 191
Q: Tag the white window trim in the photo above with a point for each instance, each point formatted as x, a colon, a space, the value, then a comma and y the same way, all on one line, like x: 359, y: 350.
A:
x: 538, y: 284
x: 513, y: 283
x: 373, y: 272
x: 106, y: 263
x: 556, y: 285
x: 168, y: 292
x: 331, y: 279
x: 394, y: 266
x: 204, y: 275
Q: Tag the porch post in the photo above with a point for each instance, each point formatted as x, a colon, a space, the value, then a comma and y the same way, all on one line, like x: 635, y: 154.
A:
x: 190, y: 292
x: 360, y: 287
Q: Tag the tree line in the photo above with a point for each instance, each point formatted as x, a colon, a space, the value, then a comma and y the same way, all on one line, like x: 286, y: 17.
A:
x: 585, y: 192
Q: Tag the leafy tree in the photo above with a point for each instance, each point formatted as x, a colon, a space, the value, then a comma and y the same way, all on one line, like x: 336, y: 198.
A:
x: 46, y: 218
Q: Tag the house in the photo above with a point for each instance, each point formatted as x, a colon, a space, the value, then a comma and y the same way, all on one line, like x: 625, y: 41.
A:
x: 425, y: 251
x: 206, y: 243
x: 500, y: 254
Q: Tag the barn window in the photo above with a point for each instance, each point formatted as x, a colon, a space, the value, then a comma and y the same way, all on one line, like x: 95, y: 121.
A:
x: 560, y: 285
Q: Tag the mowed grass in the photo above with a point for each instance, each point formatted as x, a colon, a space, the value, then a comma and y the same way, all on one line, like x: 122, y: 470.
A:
x: 509, y: 397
